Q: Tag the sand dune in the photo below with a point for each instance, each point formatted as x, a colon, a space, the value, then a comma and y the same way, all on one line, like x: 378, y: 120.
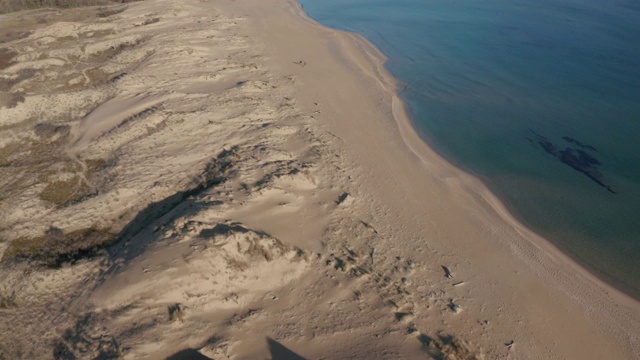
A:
x: 230, y: 180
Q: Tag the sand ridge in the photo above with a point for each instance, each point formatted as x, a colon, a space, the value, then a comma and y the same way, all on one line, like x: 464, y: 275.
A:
x: 266, y: 197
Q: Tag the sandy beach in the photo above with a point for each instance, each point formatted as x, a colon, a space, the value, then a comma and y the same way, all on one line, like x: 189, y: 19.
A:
x: 231, y: 180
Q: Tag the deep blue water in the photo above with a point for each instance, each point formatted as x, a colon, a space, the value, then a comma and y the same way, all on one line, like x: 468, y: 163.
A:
x: 541, y: 99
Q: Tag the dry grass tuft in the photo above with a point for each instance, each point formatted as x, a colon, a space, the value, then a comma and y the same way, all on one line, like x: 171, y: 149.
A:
x: 176, y: 312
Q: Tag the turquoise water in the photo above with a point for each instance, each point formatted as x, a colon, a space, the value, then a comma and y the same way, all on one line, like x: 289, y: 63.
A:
x: 541, y: 99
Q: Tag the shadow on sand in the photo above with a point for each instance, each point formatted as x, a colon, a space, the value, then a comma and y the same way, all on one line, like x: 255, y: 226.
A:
x: 276, y: 350
x: 280, y: 352
x: 188, y: 354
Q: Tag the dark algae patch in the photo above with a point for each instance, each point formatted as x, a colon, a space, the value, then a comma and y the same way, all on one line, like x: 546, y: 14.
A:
x: 574, y: 141
x: 577, y: 158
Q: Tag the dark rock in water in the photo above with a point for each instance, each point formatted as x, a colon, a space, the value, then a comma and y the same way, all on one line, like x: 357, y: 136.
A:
x: 577, y: 159
x: 582, y: 145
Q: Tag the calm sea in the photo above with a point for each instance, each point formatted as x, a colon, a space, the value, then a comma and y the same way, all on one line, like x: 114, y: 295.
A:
x: 541, y: 99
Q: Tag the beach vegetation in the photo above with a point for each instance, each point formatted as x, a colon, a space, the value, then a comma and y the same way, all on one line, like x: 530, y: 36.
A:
x: 7, y: 6
x: 55, y: 246
x: 65, y: 192
x: 176, y: 312
x: 6, y: 57
x: 7, y: 301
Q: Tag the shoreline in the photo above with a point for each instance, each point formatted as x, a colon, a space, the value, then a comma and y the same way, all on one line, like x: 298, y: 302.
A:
x: 472, y: 183
x: 422, y: 149
x: 601, y: 276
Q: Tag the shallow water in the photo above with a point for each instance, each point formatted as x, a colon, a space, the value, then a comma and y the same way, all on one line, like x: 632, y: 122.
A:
x: 540, y: 99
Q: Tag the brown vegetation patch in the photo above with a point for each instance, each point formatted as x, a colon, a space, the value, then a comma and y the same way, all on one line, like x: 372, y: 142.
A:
x: 97, y: 76
x: 94, y: 165
x: 96, y: 34
x: 11, y: 100
x: 24, y: 74
x: 150, y: 21
x: 110, y: 11
x: 8, y: 151
x: 7, y: 6
x: 176, y: 312
x: 447, y: 347
x: 55, y: 246
x: 12, y: 35
x: 114, y: 51
x: 48, y: 130
x: 7, y: 301
x: 6, y: 57
x: 66, y: 192
x: 86, y: 337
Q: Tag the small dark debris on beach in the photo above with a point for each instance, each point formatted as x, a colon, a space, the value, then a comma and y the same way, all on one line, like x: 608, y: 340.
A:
x: 447, y: 272
x: 369, y: 226
x: 342, y: 198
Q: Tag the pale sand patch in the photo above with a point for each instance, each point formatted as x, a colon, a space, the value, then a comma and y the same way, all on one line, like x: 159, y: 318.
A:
x: 111, y: 114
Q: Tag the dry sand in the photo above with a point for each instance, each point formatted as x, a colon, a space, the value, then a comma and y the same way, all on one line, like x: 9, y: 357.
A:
x: 268, y: 197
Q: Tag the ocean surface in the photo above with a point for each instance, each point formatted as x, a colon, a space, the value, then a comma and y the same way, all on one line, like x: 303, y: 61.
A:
x: 540, y: 99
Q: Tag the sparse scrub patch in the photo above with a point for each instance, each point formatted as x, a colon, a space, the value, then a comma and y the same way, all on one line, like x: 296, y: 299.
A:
x: 7, y: 152
x: 24, y: 74
x: 7, y: 6
x: 150, y: 21
x: 94, y: 165
x: 175, y: 312
x: 448, y: 347
x: 66, y: 192
x: 84, y: 338
x: 97, y: 76
x: 7, y: 301
x: 48, y: 131
x: 11, y: 100
x: 12, y: 35
x: 114, y: 51
x: 55, y: 246
x: 106, y: 12
x: 6, y: 57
